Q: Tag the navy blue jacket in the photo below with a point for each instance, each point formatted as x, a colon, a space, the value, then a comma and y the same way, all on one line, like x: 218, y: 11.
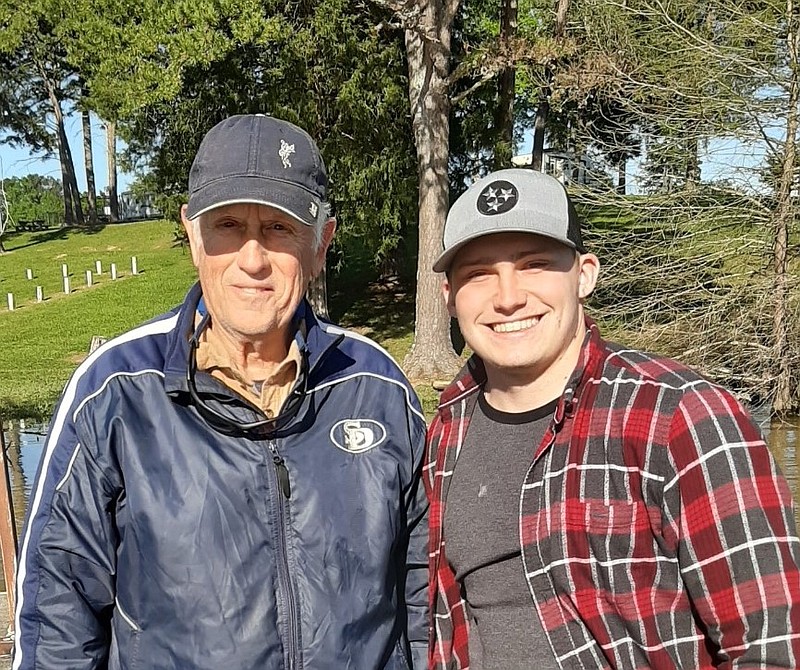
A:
x: 155, y: 540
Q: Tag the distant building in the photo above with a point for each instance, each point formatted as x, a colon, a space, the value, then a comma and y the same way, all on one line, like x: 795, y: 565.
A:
x: 133, y: 207
x: 566, y: 167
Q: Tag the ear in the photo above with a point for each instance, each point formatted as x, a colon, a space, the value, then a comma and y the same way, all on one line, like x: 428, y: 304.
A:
x: 193, y: 234
x: 449, y: 297
x: 588, y: 270
x: 328, y: 231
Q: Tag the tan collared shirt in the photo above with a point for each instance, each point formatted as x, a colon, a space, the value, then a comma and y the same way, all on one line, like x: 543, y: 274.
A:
x: 269, y: 393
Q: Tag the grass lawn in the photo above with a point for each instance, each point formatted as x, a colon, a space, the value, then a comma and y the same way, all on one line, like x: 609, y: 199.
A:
x: 43, y: 342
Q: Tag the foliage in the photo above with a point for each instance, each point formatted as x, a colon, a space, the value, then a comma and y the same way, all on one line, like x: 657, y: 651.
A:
x: 174, y: 71
x: 34, y: 197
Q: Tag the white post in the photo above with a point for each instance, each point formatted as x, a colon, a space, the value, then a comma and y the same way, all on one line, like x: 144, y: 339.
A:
x: 88, y: 277
x: 113, y: 271
x: 10, y: 302
x: 134, y: 266
x: 98, y: 267
x: 66, y: 284
x: 64, y: 271
x: 28, y: 273
x: 39, y: 294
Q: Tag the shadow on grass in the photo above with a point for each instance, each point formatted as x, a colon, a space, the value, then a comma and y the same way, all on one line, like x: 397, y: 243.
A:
x: 47, y: 235
x: 382, y: 309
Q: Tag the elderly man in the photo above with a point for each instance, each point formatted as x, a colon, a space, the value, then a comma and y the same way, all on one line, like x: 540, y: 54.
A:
x: 235, y: 484
x: 592, y: 506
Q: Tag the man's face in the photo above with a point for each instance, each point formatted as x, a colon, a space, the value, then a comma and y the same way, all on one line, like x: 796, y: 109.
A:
x: 517, y: 298
x: 254, y: 264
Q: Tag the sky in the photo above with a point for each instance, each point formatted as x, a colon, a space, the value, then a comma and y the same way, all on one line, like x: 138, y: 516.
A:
x: 720, y: 158
x: 18, y: 162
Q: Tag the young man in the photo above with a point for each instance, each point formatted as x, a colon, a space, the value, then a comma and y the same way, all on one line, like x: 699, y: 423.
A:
x: 235, y: 484
x: 592, y: 506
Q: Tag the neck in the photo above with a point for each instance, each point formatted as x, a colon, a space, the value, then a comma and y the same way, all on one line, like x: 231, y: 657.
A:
x: 524, y: 389
x: 253, y: 358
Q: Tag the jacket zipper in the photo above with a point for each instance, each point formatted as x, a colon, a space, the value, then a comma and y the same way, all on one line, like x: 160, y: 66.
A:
x: 284, y: 574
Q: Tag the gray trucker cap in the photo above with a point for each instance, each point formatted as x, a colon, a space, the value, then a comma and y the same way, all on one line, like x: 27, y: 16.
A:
x: 254, y: 158
x: 510, y: 201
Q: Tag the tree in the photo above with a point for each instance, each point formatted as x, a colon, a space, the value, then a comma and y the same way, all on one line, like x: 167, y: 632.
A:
x: 427, y: 30
x: 37, y: 79
x: 34, y: 197
x: 88, y: 161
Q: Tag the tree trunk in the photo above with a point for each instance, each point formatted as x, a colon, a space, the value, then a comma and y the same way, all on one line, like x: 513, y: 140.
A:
x: 111, y: 156
x: 539, y: 125
x: 66, y: 192
x: 622, y: 178
x: 317, y: 294
x: 73, y: 211
x: 88, y: 161
x: 543, y: 110
x: 784, y: 401
x: 428, y: 51
x: 504, y: 113
x: 692, y: 163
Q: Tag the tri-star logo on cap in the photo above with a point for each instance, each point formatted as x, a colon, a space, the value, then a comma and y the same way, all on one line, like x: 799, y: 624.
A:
x: 497, y: 198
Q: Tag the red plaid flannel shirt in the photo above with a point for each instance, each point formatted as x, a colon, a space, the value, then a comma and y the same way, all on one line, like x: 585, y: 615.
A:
x: 656, y: 529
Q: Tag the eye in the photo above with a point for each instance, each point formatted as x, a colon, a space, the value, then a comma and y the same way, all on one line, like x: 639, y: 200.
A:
x: 226, y: 224
x: 534, y: 264
x: 476, y: 274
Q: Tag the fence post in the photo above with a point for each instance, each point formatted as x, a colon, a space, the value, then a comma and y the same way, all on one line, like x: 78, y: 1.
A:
x: 8, y: 537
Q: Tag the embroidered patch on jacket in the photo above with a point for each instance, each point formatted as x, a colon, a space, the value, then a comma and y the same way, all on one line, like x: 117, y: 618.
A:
x: 356, y: 436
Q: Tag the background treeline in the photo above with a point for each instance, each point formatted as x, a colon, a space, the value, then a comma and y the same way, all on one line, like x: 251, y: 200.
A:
x: 411, y: 99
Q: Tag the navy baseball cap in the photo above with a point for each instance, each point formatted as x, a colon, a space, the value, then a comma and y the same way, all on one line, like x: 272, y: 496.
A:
x: 255, y: 158
x: 516, y: 200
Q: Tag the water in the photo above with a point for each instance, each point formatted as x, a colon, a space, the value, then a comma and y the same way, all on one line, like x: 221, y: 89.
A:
x: 25, y: 444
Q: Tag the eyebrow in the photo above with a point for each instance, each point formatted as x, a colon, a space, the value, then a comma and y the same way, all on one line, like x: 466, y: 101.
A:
x: 489, y: 260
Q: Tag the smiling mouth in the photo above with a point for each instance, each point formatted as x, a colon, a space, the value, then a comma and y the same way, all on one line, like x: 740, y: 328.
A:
x: 251, y: 290
x: 514, y: 326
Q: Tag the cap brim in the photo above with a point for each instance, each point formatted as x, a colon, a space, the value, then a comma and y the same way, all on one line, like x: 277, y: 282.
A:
x: 295, y: 201
x: 442, y: 263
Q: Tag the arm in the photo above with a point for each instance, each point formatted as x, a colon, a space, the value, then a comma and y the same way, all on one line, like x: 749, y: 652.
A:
x: 732, y: 512
x: 416, y: 578
x: 65, y: 578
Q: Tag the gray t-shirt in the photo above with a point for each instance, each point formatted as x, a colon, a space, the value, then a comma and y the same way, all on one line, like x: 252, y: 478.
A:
x: 481, y: 530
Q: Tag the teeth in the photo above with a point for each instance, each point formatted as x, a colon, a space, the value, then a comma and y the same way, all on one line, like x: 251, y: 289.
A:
x: 515, y: 326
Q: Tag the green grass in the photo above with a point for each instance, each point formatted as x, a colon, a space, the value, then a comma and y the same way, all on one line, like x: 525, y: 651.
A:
x: 43, y: 342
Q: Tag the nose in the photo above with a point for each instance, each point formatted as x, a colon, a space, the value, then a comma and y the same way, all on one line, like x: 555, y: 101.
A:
x: 509, y: 295
x: 253, y: 257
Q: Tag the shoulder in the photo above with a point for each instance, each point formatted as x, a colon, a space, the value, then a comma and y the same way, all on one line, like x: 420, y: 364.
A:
x: 139, y: 351
x: 690, y: 406
x: 360, y: 359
